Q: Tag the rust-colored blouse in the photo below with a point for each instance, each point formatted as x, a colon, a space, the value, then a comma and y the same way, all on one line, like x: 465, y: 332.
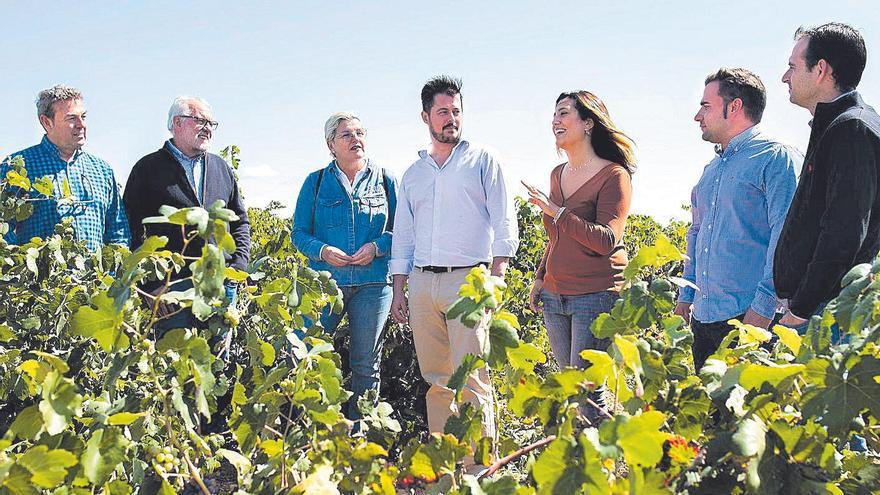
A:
x: 585, y: 253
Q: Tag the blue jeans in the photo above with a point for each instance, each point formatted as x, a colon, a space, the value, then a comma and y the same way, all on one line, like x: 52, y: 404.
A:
x: 568, y: 320
x: 367, y: 307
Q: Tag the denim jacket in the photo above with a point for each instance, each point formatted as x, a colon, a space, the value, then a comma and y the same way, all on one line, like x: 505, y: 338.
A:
x: 326, y: 214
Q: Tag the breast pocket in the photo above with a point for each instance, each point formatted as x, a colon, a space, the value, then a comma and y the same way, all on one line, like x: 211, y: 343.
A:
x: 330, y: 213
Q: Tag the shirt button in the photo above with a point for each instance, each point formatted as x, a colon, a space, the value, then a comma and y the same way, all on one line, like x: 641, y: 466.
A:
x: 716, y: 180
x: 713, y: 203
x: 705, y: 296
x: 704, y: 274
x: 705, y: 250
x: 710, y: 226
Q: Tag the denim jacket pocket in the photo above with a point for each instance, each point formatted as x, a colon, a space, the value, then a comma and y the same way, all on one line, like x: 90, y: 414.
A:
x: 329, y: 213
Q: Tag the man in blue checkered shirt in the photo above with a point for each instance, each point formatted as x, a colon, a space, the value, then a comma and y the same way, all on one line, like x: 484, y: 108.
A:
x: 94, y: 202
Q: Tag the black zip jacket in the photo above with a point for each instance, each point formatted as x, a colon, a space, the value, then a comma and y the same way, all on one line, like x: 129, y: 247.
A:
x: 158, y: 179
x: 833, y: 223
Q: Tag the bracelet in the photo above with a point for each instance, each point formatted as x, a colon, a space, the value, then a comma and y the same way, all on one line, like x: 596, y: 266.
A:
x: 559, y: 213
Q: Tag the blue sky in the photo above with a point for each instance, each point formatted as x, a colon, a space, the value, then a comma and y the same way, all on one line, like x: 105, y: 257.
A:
x: 275, y: 71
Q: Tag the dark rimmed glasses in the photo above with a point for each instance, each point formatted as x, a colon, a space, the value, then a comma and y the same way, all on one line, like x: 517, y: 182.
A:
x: 202, y: 122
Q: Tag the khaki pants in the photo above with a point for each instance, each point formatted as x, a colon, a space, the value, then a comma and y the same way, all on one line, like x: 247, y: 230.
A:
x: 440, y: 346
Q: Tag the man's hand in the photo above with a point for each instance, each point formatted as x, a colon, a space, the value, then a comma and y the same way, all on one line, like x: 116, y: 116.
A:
x: 683, y: 309
x: 365, y: 255
x: 399, y: 303
x: 335, y: 256
x: 535, y: 296
x: 756, y: 320
x: 791, y: 321
x: 499, y: 266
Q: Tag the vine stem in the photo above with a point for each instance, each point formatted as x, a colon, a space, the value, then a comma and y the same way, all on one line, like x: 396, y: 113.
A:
x: 500, y: 463
x: 600, y: 408
x: 193, y: 471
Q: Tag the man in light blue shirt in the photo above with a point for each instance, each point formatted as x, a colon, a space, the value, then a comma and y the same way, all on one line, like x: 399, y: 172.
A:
x: 738, y: 208
x: 453, y: 213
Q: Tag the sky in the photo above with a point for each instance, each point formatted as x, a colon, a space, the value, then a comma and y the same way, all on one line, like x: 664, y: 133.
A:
x: 274, y: 72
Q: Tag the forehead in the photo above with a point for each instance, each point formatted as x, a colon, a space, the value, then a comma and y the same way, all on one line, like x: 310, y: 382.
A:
x: 710, y: 92
x: 443, y: 100
x: 349, y: 124
x: 69, y: 107
x: 566, y: 102
x: 797, y: 53
x: 199, y: 109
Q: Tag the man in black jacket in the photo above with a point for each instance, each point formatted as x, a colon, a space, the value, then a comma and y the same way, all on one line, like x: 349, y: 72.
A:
x: 183, y: 174
x: 834, y: 220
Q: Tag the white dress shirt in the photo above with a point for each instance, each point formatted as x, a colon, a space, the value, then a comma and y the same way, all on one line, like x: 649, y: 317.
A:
x: 456, y: 215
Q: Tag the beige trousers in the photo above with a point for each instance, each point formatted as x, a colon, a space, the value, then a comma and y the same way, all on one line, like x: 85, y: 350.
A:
x: 440, y: 346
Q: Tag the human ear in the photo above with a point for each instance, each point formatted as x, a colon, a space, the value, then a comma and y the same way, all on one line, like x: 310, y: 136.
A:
x: 425, y: 117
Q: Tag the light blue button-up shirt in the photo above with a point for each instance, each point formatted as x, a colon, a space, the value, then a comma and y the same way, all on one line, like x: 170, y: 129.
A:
x: 738, y: 208
x: 456, y: 215
x: 192, y: 167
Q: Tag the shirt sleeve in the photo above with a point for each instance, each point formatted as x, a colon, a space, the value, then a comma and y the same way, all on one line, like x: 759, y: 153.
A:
x: 686, y: 294
x: 403, y: 243
x: 612, y: 208
x: 303, y: 231
x: 239, y: 229
x: 779, y: 186
x: 116, y: 228
x: 850, y: 196
x: 383, y: 242
x: 502, y: 213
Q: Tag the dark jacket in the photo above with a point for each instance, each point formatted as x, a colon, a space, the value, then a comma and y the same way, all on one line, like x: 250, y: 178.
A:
x: 158, y: 179
x: 834, y: 220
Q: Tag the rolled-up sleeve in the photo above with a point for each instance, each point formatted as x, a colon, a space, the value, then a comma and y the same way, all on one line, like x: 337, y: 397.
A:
x: 403, y: 242
x: 779, y: 186
x: 502, y: 213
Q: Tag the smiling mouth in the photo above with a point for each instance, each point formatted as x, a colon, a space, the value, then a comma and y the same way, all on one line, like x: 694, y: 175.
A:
x: 558, y: 131
x: 356, y: 148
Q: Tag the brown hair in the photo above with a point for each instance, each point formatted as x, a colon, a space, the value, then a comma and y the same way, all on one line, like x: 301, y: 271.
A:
x: 607, y: 139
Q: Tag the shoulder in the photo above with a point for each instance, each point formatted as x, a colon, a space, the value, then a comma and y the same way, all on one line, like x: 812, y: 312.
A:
x: 150, y: 160
x: 487, y: 154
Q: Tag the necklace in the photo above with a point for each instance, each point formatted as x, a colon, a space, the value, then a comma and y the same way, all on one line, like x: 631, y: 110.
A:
x: 575, y: 168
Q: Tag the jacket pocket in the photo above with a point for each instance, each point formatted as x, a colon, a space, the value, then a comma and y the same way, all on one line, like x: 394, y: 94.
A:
x: 330, y: 213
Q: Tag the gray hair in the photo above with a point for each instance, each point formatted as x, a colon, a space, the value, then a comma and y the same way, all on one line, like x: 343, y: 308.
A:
x: 182, y: 106
x: 333, y: 123
x: 48, y: 97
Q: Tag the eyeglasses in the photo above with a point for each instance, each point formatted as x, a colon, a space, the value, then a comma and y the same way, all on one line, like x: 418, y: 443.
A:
x: 348, y: 136
x: 203, y: 123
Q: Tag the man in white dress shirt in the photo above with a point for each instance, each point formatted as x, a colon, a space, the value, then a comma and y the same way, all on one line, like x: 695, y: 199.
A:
x: 453, y: 213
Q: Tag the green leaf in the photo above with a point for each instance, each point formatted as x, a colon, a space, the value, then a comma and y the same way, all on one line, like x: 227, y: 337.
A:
x: 502, y: 336
x: 639, y: 437
x: 268, y: 353
x: 466, y: 425
x: 104, y: 324
x: 104, y: 451
x: 525, y: 356
x: 459, y: 378
x: 48, y: 467
x: 754, y: 375
x: 28, y: 423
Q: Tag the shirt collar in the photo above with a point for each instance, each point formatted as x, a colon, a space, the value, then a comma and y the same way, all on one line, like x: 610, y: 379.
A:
x: 828, y: 111
x: 49, y: 147
x: 462, y: 143
x: 740, y: 139
x: 181, y: 156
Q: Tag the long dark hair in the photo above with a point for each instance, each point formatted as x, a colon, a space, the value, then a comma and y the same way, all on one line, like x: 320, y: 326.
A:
x: 607, y: 139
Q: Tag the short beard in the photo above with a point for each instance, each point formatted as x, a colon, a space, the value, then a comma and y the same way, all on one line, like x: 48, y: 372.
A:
x: 441, y: 138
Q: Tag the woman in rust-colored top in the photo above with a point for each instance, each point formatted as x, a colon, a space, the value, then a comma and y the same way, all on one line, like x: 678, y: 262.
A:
x: 582, y: 269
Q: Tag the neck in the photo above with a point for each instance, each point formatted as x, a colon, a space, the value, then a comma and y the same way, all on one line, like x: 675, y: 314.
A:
x: 440, y: 151
x: 351, y: 167
x: 66, y: 153
x: 580, y: 153
x: 736, y: 132
x: 190, y: 153
x: 826, y: 96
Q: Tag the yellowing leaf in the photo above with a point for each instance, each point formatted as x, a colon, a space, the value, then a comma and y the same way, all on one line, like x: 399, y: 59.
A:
x: 753, y: 375
x: 789, y: 337
x: 124, y: 418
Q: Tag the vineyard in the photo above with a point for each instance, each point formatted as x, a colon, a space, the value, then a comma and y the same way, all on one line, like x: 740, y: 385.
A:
x: 96, y: 401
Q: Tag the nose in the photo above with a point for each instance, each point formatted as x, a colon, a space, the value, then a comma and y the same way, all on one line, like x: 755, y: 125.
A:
x: 786, y: 76
x: 698, y: 117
